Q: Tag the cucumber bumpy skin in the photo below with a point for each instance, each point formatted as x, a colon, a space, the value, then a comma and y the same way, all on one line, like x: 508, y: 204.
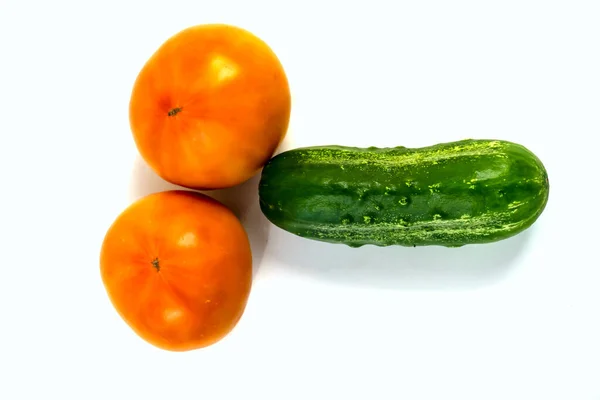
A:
x: 450, y: 194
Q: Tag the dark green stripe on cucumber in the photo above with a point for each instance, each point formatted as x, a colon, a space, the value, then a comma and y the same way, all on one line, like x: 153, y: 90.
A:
x: 449, y: 194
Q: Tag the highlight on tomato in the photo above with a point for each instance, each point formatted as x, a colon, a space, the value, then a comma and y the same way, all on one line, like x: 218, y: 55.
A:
x: 177, y: 266
x: 210, y: 107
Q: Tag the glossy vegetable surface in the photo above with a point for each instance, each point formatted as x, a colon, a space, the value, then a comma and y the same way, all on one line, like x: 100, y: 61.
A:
x: 177, y: 267
x: 449, y: 194
x: 209, y: 107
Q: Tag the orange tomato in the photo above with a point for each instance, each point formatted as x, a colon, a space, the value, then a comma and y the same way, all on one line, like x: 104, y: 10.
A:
x: 210, y: 107
x: 177, y: 267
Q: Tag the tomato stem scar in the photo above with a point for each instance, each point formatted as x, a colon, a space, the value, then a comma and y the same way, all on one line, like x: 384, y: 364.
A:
x: 174, y: 111
x: 155, y: 264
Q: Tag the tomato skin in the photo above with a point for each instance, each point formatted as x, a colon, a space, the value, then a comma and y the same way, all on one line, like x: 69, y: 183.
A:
x: 177, y: 267
x: 210, y: 107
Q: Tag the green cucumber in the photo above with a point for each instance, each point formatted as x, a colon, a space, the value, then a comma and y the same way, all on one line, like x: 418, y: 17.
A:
x: 450, y: 194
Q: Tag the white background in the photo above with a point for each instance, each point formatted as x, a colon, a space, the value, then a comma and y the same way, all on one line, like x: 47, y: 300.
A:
x: 518, y: 319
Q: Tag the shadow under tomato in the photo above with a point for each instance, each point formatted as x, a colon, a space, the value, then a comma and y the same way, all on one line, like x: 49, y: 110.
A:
x: 395, y: 267
x: 242, y: 200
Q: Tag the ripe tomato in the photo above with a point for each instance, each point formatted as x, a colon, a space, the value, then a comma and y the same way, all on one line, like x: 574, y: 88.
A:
x: 177, y: 267
x: 210, y: 107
